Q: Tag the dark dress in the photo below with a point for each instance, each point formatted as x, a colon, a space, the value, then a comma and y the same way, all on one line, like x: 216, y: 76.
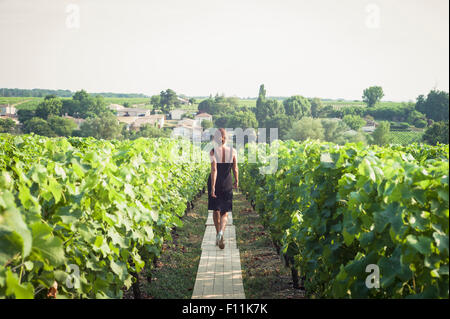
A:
x: 224, y: 189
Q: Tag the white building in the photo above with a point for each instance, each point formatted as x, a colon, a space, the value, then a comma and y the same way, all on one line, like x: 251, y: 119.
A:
x: 7, y: 110
x: 177, y: 114
x: 188, y: 132
x: 154, y: 119
x: 116, y: 107
x: 135, y: 122
x: 188, y: 122
x: 183, y: 101
x: 130, y: 111
x: 128, y: 120
x: 202, y: 117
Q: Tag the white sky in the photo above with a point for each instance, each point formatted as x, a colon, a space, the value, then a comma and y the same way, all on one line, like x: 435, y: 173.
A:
x: 323, y: 48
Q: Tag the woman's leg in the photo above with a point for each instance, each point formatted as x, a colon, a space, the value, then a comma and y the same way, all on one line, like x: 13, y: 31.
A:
x: 216, y: 218
x: 223, y: 221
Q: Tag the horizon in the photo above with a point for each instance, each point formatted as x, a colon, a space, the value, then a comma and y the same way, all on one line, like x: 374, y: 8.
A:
x: 315, y: 49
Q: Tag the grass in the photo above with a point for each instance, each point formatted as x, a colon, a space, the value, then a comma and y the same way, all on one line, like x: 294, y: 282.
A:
x: 174, y: 276
x: 263, y: 273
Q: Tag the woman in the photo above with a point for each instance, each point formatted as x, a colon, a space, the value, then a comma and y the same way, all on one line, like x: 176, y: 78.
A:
x: 220, y: 183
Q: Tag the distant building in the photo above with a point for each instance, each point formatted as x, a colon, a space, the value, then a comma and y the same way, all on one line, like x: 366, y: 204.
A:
x: 154, y: 119
x: 177, y: 114
x: 188, y: 132
x: 116, y: 107
x: 135, y: 122
x: 369, y: 127
x: 7, y: 110
x: 189, y: 122
x: 128, y: 120
x: 78, y: 121
x: 183, y: 100
x: 202, y: 117
x: 129, y: 111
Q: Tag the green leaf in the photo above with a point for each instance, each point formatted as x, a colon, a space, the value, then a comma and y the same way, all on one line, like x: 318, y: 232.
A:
x: 46, y: 247
x: 441, y: 242
x: 348, y: 238
x: 55, y: 188
x: 14, y: 222
x: 421, y: 244
x: 13, y: 287
x: 98, y: 241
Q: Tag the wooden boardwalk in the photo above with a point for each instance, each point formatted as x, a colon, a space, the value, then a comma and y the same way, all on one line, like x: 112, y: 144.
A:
x: 219, y: 274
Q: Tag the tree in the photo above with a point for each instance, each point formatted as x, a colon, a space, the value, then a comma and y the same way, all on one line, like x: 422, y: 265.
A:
x: 38, y: 126
x: 51, y: 106
x: 207, y: 124
x: 155, y: 101
x: 305, y: 128
x: 50, y: 96
x: 222, y: 120
x: 207, y: 106
x: 217, y: 105
x: 437, y: 133
x: 150, y: 131
x: 435, y: 106
x: 337, y: 131
x: 106, y: 127
x: 168, y: 100
x: 126, y: 104
x: 381, y: 134
x: 354, y: 122
x: 25, y: 115
x: 7, y: 125
x: 83, y: 105
x: 241, y: 119
x: 316, y: 107
x: 192, y: 100
x: 61, y: 126
x: 372, y: 95
x: 267, y: 110
x: 280, y: 121
x: 297, y: 107
x: 260, y: 105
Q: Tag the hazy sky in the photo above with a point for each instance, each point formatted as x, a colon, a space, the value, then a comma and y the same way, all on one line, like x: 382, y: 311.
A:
x: 323, y: 48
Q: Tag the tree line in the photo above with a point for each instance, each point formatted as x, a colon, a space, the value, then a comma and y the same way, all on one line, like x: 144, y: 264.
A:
x: 57, y: 117
x: 5, y: 92
x: 298, y: 117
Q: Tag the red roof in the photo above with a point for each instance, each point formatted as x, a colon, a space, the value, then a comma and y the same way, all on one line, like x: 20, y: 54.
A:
x: 204, y: 115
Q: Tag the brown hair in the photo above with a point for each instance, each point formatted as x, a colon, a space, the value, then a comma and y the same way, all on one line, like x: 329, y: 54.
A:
x: 224, y: 135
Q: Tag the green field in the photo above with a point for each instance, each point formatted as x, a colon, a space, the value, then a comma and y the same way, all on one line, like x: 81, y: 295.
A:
x: 14, y: 100
x: 339, y: 104
x: 132, y: 101
x: 405, y: 138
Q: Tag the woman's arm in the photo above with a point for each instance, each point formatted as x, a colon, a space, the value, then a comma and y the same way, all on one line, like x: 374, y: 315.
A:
x: 213, y: 174
x: 235, y: 170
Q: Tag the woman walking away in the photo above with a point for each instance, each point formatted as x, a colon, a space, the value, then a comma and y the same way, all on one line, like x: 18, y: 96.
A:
x: 220, y: 183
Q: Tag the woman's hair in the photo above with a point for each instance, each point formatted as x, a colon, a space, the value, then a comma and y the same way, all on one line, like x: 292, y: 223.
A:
x: 223, y: 132
x: 220, y: 138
